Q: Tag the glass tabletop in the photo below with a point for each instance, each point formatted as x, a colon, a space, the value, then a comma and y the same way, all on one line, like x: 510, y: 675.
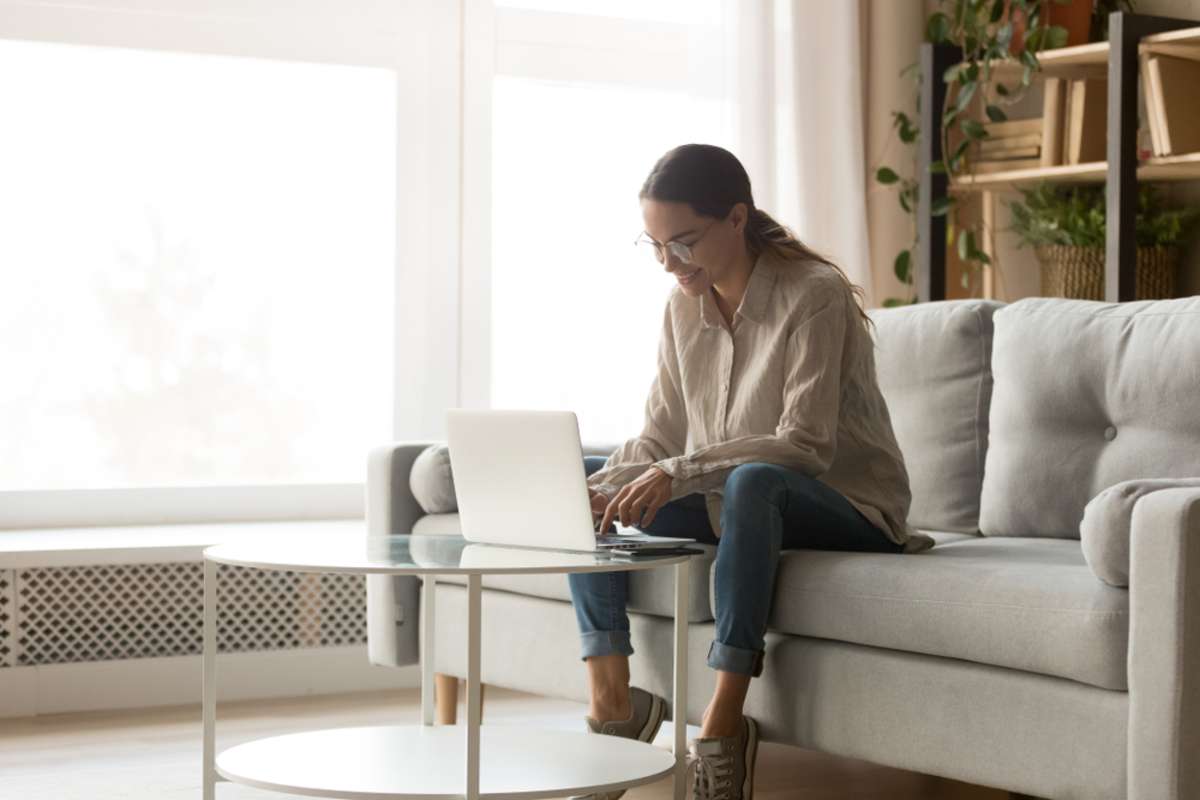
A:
x: 418, y: 555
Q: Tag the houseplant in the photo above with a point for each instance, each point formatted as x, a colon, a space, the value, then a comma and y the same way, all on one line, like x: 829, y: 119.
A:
x: 1066, y: 228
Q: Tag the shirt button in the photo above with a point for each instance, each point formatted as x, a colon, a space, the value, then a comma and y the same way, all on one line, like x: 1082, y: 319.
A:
x: 1110, y: 433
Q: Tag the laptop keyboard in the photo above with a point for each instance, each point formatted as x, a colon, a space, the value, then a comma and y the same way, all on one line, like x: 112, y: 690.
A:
x: 615, y: 538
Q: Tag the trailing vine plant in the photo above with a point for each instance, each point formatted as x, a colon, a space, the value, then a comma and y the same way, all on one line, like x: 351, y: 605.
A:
x: 983, y: 30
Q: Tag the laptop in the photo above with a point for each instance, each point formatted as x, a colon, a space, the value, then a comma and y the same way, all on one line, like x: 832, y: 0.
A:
x: 520, y: 481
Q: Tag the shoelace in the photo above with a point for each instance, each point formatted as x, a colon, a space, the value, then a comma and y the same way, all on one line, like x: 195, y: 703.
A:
x: 709, y: 776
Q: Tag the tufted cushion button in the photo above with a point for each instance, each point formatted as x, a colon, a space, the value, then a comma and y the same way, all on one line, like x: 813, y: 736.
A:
x: 1110, y: 433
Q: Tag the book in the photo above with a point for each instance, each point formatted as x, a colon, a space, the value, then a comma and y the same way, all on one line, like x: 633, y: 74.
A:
x: 1000, y: 154
x: 1065, y: 126
x: 1156, y: 108
x: 1177, y: 80
x: 1052, y: 109
x: 1013, y: 127
x: 1006, y: 142
x: 1087, y: 135
x: 985, y: 167
x: 1152, y: 99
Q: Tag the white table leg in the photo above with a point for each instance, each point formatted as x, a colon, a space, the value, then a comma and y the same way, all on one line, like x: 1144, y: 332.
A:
x: 209, y: 688
x: 428, y: 591
x: 679, y: 700
x: 474, y: 596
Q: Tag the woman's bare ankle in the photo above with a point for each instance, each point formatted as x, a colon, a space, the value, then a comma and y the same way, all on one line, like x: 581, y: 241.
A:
x: 611, y: 705
x: 720, y: 725
x: 609, y: 679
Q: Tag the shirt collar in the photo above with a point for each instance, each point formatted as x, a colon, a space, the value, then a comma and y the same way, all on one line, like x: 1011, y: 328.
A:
x: 754, y: 301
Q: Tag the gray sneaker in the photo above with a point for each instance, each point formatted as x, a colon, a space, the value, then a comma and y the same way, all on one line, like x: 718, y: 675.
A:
x: 722, y: 767
x: 647, y: 716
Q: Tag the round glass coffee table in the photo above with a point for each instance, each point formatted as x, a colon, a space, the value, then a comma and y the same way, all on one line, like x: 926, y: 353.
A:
x: 427, y: 761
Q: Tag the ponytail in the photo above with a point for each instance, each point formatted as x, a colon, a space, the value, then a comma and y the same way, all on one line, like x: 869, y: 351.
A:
x: 764, y: 234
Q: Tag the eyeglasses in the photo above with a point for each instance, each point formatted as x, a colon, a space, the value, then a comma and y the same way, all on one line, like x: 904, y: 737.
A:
x: 681, y: 251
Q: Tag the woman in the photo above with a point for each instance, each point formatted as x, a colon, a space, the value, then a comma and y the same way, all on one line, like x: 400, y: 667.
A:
x: 764, y: 430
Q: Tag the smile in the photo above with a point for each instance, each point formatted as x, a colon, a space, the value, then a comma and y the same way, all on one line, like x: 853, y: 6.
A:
x: 690, y: 276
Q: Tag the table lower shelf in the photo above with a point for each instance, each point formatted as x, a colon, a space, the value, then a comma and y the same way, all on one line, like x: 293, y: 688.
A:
x: 428, y: 762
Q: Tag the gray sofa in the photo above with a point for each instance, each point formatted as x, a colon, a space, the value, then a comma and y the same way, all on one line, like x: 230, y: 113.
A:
x: 1049, y: 643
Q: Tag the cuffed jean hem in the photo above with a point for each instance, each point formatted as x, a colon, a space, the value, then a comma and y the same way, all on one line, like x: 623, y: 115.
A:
x: 605, y: 643
x: 735, y: 659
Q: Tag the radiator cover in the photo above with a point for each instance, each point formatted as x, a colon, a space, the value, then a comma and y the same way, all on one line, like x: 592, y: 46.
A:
x: 56, y: 615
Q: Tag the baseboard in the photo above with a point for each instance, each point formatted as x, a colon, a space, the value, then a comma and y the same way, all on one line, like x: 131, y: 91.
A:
x: 176, y: 680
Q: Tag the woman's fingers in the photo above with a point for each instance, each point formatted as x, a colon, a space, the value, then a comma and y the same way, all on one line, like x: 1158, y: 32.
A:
x: 609, y: 510
x: 636, y: 503
x: 635, y: 506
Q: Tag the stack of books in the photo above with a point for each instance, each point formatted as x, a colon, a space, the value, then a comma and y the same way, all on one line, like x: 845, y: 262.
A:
x: 1009, y: 145
x: 1075, y: 127
x: 1169, y: 86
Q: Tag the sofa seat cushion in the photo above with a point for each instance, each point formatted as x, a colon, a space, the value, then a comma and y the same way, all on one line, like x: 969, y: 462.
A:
x: 651, y: 591
x: 1026, y: 603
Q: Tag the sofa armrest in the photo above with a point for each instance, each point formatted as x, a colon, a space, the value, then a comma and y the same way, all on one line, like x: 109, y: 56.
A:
x: 1106, y: 527
x: 392, y: 600
x: 1164, y: 646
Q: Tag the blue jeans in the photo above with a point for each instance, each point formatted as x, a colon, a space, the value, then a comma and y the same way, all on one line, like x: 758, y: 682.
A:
x: 766, y: 508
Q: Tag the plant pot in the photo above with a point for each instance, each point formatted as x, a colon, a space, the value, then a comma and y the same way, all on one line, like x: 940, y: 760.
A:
x: 1078, y: 272
x: 1075, y: 16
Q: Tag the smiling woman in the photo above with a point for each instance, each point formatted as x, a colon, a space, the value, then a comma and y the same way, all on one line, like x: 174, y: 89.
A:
x: 767, y: 415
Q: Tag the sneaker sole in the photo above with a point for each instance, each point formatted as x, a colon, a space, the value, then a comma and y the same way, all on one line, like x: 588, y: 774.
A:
x: 658, y: 712
x: 751, y: 752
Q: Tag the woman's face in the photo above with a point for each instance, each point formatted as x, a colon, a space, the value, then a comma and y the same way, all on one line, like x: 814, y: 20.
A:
x: 716, y: 244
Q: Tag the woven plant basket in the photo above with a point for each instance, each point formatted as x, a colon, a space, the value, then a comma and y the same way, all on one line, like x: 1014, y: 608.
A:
x: 1078, y: 272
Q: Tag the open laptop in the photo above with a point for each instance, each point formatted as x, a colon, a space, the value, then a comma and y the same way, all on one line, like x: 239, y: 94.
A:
x: 519, y: 479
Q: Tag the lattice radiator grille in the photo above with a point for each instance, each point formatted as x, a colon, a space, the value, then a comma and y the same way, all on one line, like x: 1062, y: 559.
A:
x: 54, y: 615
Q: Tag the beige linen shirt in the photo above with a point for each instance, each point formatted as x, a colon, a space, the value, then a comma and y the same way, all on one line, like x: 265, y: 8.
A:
x: 792, y: 383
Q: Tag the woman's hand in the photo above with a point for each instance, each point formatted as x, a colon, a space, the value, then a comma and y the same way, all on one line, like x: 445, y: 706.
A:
x: 600, y: 502
x: 637, y: 502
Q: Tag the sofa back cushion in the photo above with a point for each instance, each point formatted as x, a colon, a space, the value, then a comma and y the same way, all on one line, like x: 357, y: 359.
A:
x: 934, y: 366
x: 1087, y: 394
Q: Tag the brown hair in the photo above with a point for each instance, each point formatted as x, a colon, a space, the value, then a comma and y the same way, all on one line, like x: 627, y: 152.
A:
x: 711, y: 180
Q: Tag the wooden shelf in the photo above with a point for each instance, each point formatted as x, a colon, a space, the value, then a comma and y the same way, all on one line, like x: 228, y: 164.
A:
x: 1183, y: 43
x: 1091, y: 60
x: 1067, y: 173
x: 1080, y: 61
x: 1184, y: 167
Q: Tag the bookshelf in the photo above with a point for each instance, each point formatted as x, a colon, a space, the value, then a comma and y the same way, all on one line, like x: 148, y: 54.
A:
x: 1117, y: 60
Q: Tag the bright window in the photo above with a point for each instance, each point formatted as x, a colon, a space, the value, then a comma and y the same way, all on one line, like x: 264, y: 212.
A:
x: 196, y: 268
x: 688, y: 12
x: 576, y: 308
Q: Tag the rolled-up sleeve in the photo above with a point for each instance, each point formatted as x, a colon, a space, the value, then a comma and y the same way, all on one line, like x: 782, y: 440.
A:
x: 805, y: 438
x: 664, y: 432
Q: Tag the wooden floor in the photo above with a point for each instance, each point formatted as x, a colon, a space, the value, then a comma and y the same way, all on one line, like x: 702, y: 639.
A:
x: 154, y: 754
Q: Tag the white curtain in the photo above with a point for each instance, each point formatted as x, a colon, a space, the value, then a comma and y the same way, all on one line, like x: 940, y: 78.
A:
x: 798, y: 80
x: 814, y: 85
